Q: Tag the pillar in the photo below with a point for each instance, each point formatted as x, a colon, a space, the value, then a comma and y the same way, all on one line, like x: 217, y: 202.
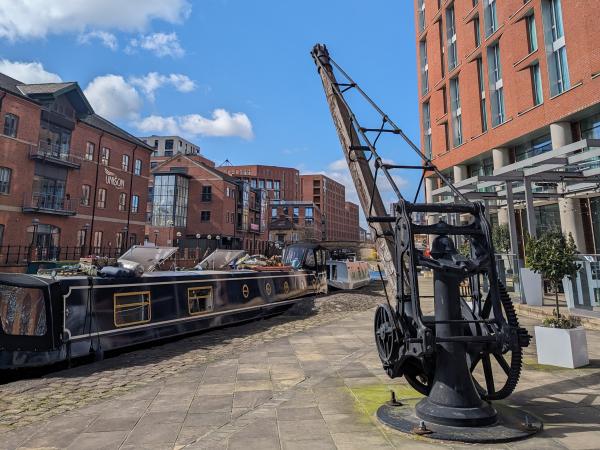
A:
x: 571, y: 220
x: 500, y: 157
x: 431, y: 218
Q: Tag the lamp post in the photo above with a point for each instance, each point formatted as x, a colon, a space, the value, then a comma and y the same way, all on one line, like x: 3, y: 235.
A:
x: 123, y: 239
x: 86, y: 230
x: 198, y: 235
x: 218, y: 238
x: 178, y: 234
x: 35, y: 223
x: 155, y: 237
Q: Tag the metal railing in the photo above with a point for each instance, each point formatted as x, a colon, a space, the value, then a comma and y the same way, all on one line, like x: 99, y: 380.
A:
x: 49, y: 202
x: 54, y: 152
x: 23, y: 254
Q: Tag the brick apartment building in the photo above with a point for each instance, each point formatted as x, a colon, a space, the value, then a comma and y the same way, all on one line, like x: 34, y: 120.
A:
x: 70, y: 181
x: 295, y: 220
x: 207, y: 207
x: 170, y: 145
x: 281, y: 183
x: 340, y: 218
x: 502, y: 83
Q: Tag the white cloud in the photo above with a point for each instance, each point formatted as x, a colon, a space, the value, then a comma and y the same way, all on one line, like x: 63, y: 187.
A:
x: 28, y: 72
x: 107, y: 39
x: 25, y: 19
x: 161, y: 44
x: 113, y: 98
x: 221, y: 124
x: 149, y: 83
x: 339, y: 164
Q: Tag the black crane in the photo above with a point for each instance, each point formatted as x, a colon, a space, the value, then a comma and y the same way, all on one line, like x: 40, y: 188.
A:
x: 438, y: 355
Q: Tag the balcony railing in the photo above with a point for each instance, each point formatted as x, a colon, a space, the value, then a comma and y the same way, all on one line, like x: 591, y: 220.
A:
x: 43, y: 202
x: 53, y: 153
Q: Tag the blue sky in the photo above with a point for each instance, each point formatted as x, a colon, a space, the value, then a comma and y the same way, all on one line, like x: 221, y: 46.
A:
x: 248, y: 60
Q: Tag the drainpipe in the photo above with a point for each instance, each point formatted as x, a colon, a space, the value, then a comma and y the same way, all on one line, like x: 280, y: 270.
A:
x: 95, y: 191
x: 130, y: 195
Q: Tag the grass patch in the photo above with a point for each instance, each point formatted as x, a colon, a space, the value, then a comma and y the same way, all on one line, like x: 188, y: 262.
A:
x: 532, y: 364
x: 373, y: 396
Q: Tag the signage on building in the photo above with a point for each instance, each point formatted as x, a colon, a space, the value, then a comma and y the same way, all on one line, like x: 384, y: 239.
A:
x: 113, y: 180
x: 254, y: 227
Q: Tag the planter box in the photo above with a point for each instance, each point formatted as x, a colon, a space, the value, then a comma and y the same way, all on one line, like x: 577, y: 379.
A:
x: 532, y: 287
x: 563, y: 348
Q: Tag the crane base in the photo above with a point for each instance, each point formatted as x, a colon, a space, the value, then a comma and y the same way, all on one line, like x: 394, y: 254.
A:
x: 512, y: 425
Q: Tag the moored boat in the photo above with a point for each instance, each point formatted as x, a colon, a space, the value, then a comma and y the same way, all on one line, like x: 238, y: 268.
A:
x: 51, y: 317
x: 348, y: 273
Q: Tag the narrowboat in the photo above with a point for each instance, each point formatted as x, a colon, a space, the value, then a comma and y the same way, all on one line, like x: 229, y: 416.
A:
x: 52, y: 317
x: 348, y: 273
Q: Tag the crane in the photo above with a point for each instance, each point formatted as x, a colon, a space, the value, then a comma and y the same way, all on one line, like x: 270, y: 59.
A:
x: 468, y: 331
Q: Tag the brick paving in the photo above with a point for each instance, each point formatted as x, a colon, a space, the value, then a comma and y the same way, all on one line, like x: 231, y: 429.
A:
x: 291, y: 382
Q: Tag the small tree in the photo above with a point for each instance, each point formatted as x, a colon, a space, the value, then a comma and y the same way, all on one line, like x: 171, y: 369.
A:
x: 554, y: 257
x: 501, y: 238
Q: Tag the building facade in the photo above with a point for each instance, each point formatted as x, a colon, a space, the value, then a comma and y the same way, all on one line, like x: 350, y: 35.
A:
x: 281, y: 183
x: 340, y: 218
x: 501, y: 83
x: 170, y: 145
x: 191, y: 202
x: 293, y: 221
x: 71, y: 182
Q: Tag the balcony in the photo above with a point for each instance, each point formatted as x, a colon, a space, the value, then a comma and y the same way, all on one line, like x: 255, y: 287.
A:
x: 54, y: 154
x: 48, y: 203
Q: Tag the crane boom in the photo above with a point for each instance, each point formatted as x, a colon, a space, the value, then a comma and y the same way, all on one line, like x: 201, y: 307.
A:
x: 358, y: 164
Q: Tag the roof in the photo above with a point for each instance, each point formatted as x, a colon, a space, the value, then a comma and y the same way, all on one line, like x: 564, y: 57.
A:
x: 33, y: 92
x: 192, y: 159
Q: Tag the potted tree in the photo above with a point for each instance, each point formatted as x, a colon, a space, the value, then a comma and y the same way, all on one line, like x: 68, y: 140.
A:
x: 561, y: 340
x: 531, y: 280
x: 501, y: 241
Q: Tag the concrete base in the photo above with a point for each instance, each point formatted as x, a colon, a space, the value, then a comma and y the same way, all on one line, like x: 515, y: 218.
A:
x: 513, y: 424
x: 562, y: 348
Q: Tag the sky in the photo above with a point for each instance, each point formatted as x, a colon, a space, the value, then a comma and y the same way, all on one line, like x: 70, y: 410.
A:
x: 233, y: 76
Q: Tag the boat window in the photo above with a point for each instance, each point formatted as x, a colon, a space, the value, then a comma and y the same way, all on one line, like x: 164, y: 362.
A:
x: 22, y: 311
x: 310, y: 259
x: 291, y: 254
x: 334, y: 271
x: 200, y: 300
x: 132, y: 308
x: 319, y: 255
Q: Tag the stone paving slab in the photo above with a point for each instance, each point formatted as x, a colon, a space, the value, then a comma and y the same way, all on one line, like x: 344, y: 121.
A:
x: 314, y: 384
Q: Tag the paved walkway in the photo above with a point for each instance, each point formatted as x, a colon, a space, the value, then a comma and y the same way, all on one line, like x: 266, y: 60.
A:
x: 305, y: 383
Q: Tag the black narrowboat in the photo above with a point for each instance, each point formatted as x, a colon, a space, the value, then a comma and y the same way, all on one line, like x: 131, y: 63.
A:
x: 48, y: 318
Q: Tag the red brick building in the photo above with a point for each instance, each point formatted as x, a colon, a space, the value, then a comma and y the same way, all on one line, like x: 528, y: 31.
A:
x: 281, y: 183
x: 205, y: 206
x: 293, y: 221
x: 340, y: 218
x: 71, y: 182
x: 502, y: 82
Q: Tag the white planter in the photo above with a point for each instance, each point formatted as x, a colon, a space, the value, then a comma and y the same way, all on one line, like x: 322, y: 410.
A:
x: 563, y: 348
x: 532, y: 287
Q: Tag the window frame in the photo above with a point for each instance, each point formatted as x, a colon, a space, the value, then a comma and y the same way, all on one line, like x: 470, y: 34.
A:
x: 143, y: 303
x: 14, y: 125
x: 105, y: 156
x: 125, y: 162
x: 210, y: 303
x: 83, y: 196
x: 101, y: 198
x: 137, y: 167
x: 89, y: 156
x: 7, y: 183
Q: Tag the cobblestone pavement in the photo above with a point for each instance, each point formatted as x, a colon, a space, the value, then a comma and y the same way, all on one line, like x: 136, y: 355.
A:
x: 28, y: 401
x: 286, y: 383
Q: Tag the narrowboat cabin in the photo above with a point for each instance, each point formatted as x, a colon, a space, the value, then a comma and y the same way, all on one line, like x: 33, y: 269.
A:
x: 72, y: 312
x: 348, y: 273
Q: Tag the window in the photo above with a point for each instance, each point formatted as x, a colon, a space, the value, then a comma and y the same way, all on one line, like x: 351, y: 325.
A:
x: 491, y: 19
x: 531, y: 33
x: 89, y: 151
x: 204, y: 216
x: 269, y: 184
x: 427, y: 130
x: 11, y: 123
x: 105, y: 156
x: 135, y: 203
x: 253, y: 182
x: 533, y: 148
x: 308, y: 216
x: 119, y: 239
x: 170, y: 200
x: 556, y: 51
x: 424, y: 67
x: 296, y: 214
x: 496, y: 85
x: 273, y: 213
x: 457, y: 137
x: 421, y: 15
x: 477, y: 32
x: 441, y: 52
x: 261, y: 184
x: 101, y: 198
x: 81, y: 237
x: 200, y: 300
x: 206, y: 193
x: 1, y: 234
x: 122, y: 201
x: 446, y: 137
x: 131, y: 308
x: 536, y: 84
x: 482, y: 101
x: 169, y: 145
x: 97, y: 241
x: 138, y: 167
x: 451, y: 38
x: 5, y: 174
x: 85, y: 195
x: 276, y: 185
x: 125, y: 163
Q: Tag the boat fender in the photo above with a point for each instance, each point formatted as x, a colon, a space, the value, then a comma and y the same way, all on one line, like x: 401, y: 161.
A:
x: 116, y: 272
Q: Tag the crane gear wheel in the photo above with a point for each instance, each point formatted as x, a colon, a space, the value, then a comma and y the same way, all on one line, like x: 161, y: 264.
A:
x: 387, y: 338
